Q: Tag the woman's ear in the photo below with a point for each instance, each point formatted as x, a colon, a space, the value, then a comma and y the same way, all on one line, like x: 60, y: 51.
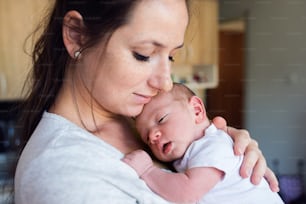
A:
x: 72, y: 32
x: 198, y: 108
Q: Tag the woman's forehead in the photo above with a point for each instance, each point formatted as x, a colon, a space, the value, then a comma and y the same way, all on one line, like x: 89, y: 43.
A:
x: 162, y: 21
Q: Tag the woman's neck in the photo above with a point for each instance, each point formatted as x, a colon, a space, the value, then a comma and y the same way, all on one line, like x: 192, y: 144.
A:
x: 75, y: 104
x: 121, y: 134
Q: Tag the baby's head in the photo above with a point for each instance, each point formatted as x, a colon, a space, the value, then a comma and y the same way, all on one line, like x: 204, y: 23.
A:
x: 171, y: 121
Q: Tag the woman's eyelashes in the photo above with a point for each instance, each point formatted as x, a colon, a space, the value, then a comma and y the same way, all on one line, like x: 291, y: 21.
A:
x: 144, y: 58
x: 171, y: 58
x: 140, y: 57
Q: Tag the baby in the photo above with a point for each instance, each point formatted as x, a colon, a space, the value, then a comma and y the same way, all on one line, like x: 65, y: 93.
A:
x: 175, y: 127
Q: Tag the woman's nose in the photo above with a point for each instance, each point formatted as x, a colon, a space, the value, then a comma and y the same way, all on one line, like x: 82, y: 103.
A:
x: 161, y: 78
x: 167, y: 84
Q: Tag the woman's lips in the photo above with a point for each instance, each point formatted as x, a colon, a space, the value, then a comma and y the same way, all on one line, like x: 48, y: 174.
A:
x: 143, y: 99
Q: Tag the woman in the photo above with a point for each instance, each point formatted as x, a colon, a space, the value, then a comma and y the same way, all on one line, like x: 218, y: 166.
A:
x: 95, y: 66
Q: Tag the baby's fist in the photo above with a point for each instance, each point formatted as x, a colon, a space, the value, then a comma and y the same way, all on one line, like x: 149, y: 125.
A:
x: 139, y: 160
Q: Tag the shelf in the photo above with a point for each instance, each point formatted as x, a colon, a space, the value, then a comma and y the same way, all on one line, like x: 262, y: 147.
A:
x: 203, y: 85
x: 197, y: 77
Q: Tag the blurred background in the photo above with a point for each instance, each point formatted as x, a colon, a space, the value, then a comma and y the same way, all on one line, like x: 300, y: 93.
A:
x: 274, y: 81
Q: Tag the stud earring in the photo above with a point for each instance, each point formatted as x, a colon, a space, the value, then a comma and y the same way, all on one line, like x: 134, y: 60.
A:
x: 77, y: 54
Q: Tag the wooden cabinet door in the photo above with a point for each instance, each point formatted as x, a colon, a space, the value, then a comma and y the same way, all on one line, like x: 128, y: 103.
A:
x: 17, y: 20
x: 201, y: 38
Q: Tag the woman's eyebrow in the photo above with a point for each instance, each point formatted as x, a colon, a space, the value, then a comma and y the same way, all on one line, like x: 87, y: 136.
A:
x: 158, y: 44
x: 180, y: 46
x: 161, y: 45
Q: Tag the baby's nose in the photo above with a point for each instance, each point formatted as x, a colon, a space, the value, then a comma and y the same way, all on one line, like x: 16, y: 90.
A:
x: 155, y: 137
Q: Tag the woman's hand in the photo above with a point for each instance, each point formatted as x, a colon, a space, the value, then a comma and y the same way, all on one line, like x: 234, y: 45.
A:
x: 254, y: 164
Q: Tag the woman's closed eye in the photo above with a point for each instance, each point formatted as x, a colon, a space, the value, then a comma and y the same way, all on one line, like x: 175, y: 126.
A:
x: 145, y: 58
x: 141, y: 57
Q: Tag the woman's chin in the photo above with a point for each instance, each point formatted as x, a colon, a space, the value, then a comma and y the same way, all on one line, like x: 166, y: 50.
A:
x: 134, y: 111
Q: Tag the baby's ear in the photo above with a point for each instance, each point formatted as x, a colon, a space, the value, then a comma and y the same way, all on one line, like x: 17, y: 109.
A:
x: 198, y: 108
x: 72, y: 32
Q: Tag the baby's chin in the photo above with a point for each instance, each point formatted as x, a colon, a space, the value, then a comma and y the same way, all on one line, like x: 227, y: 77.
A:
x: 168, y: 158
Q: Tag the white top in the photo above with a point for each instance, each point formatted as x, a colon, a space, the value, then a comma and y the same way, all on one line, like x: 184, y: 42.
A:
x: 64, y: 164
x: 215, y: 149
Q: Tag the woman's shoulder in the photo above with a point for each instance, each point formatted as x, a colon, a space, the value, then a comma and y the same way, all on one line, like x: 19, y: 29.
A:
x: 56, y: 135
x: 71, y: 165
x: 57, y: 141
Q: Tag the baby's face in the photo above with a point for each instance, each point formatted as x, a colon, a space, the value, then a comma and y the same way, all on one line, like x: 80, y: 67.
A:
x: 166, y: 125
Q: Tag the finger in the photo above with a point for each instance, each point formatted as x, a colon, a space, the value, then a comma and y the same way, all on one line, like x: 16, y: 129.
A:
x: 272, y: 180
x: 126, y: 160
x: 249, y: 161
x: 259, y: 170
x: 220, y: 123
x: 252, y: 157
x: 242, y: 140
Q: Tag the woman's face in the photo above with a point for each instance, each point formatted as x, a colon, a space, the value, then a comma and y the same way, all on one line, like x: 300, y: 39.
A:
x: 136, y: 62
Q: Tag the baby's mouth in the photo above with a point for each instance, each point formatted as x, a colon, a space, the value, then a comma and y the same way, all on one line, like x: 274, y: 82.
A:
x: 167, y: 147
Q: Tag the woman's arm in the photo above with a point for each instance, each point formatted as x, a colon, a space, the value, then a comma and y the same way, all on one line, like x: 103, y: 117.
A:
x: 254, y: 163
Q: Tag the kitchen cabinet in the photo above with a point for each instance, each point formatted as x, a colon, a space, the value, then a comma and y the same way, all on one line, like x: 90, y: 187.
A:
x: 17, y: 20
x: 196, y: 64
x: 201, y: 39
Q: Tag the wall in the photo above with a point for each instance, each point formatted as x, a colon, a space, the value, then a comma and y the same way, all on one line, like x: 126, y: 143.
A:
x: 275, y: 76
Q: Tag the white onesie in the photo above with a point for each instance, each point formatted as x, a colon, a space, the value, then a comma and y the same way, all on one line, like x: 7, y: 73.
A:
x: 215, y: 149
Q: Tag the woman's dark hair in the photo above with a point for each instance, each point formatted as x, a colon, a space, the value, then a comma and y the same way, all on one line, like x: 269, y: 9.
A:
x: 50, y: 58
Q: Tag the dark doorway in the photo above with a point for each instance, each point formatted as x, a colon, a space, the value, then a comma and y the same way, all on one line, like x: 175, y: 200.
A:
x: 227, y: 99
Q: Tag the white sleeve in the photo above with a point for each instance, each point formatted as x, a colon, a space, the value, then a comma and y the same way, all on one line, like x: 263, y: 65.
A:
x: 214, y: 151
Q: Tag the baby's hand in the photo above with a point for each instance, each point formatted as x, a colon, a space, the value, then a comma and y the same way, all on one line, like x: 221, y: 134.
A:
x: 139, y: 160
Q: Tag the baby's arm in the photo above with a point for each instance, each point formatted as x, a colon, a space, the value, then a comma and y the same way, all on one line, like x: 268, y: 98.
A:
x: 189, y: 186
